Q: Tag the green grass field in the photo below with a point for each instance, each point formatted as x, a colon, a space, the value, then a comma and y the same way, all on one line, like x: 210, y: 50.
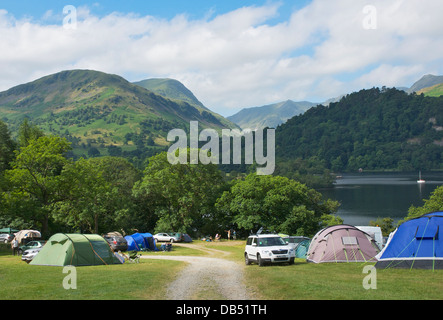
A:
x: 148, y: 279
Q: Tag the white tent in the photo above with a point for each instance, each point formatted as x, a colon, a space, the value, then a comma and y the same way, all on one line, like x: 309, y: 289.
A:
x: 24, y: 234
x: 375, y: 233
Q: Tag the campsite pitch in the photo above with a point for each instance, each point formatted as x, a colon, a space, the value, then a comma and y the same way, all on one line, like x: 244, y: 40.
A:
x: 155, y: 278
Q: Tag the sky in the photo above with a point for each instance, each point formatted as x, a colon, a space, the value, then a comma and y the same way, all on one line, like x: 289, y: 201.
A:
x: 230, y: 54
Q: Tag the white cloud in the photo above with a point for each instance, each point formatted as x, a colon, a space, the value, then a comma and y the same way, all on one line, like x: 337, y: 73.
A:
x: 238, y: 59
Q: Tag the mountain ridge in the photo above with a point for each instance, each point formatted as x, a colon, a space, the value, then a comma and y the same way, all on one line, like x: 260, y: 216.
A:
x: 269, y: 115
x: 175, y: 90
x: 251, y: 117
x: 373, y: 129
x: 426, y: 81
x: 100, y: 110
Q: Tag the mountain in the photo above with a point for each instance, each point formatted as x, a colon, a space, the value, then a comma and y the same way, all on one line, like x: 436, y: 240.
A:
x: 374, y: 129
x: 175, y: 90
x: 426, y: 81
x: 171, y: 89
x: 100, y: 111
x: 270, y: 115
x: 433, y: 91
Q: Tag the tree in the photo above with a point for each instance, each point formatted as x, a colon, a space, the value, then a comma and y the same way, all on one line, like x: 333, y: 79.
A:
x: 181, y: 196
x: 386, y: 225
x: 88, y: 199
x: 7, y: 147
x: 121, y: 175
x: 433, y: 204
x: 277, y: 203
x: 34, y: 180
x: 28, y: 132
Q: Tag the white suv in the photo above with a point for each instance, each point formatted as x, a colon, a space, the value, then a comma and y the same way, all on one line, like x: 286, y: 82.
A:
x: 264, y: 248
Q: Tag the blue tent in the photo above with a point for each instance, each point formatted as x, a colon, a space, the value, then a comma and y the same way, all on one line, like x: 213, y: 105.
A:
x: 149, y: 241
x: 416, y: 243
x: 132, y: 244
x: 141, y: 242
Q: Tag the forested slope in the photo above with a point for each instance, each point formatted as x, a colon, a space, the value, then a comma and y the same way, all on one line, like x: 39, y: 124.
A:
x: 374, y: 129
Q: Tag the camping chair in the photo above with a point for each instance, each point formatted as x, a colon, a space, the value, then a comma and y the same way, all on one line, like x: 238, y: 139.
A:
x: 166, y: 247
x: 134, y: 257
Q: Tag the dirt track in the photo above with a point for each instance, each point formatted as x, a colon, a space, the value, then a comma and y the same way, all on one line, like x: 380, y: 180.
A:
x: 207, y: 278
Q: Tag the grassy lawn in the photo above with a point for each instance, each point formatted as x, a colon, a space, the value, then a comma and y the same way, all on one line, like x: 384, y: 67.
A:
x: 145, y: 280
x: 343, y: 282
x: 149, y: 279
x: 333, y: 281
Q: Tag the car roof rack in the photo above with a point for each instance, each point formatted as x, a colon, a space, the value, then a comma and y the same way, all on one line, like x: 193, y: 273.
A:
x: 262, y: 231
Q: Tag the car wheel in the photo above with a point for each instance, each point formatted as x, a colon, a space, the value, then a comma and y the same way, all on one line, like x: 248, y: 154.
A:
x: 247, y: 261
x: 261, y: 263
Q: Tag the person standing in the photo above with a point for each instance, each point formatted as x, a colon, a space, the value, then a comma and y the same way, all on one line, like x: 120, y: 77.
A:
x: 14, y: 245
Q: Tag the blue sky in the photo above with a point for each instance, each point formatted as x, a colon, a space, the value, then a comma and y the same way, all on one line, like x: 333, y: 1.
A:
x: 167, y: 9
x: 230, y: 54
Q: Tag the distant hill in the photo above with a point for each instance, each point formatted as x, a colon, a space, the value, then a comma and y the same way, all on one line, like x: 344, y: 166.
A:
x: 171, y: 89
x: 275, y: 114
x: 426, y: 81
x: 270, y: 115
x: 433, y: 91
x: 371, y: 129
x: 101, y: 112
x: 175, y: 90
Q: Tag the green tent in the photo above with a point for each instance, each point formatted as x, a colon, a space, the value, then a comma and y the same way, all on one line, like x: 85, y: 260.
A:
x: 75, y: 250
x: 8, y: 230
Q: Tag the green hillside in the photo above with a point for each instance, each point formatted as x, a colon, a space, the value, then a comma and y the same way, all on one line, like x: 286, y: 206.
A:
x: 371, y: 129
x: 101, y: 112
x: 433, y: 91
x: 175, y: 90
x: 170, y: 88
x: 270, y: 115
x: 426, y: 81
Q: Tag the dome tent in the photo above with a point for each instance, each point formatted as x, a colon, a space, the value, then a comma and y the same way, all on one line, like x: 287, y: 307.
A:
x: 75, y: 250
x: 302, y: 248
x: 416, y: 243
x: 341, y: 243
x: 140, y: 242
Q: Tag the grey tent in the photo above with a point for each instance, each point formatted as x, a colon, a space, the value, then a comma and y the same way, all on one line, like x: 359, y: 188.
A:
x: 342, y: 243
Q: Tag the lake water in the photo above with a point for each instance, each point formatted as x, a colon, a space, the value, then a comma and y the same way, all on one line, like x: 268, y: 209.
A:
x: 367, y: 196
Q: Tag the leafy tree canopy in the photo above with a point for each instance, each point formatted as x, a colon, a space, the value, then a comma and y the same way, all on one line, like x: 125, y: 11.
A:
x: 433, y: 204
x: 182, y: 196
x: 375, y: 129
x: 279, y: 204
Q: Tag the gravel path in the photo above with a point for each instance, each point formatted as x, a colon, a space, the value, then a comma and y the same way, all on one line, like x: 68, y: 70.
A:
x: 207, y: 277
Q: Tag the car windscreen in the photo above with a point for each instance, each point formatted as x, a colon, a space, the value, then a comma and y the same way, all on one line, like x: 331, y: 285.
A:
x: 271, y: 241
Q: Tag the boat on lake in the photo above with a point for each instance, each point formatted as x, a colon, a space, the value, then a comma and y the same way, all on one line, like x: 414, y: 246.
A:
x: 420, y: 180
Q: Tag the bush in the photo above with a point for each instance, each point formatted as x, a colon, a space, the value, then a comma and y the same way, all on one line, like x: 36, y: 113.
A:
x: 5, y: 248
